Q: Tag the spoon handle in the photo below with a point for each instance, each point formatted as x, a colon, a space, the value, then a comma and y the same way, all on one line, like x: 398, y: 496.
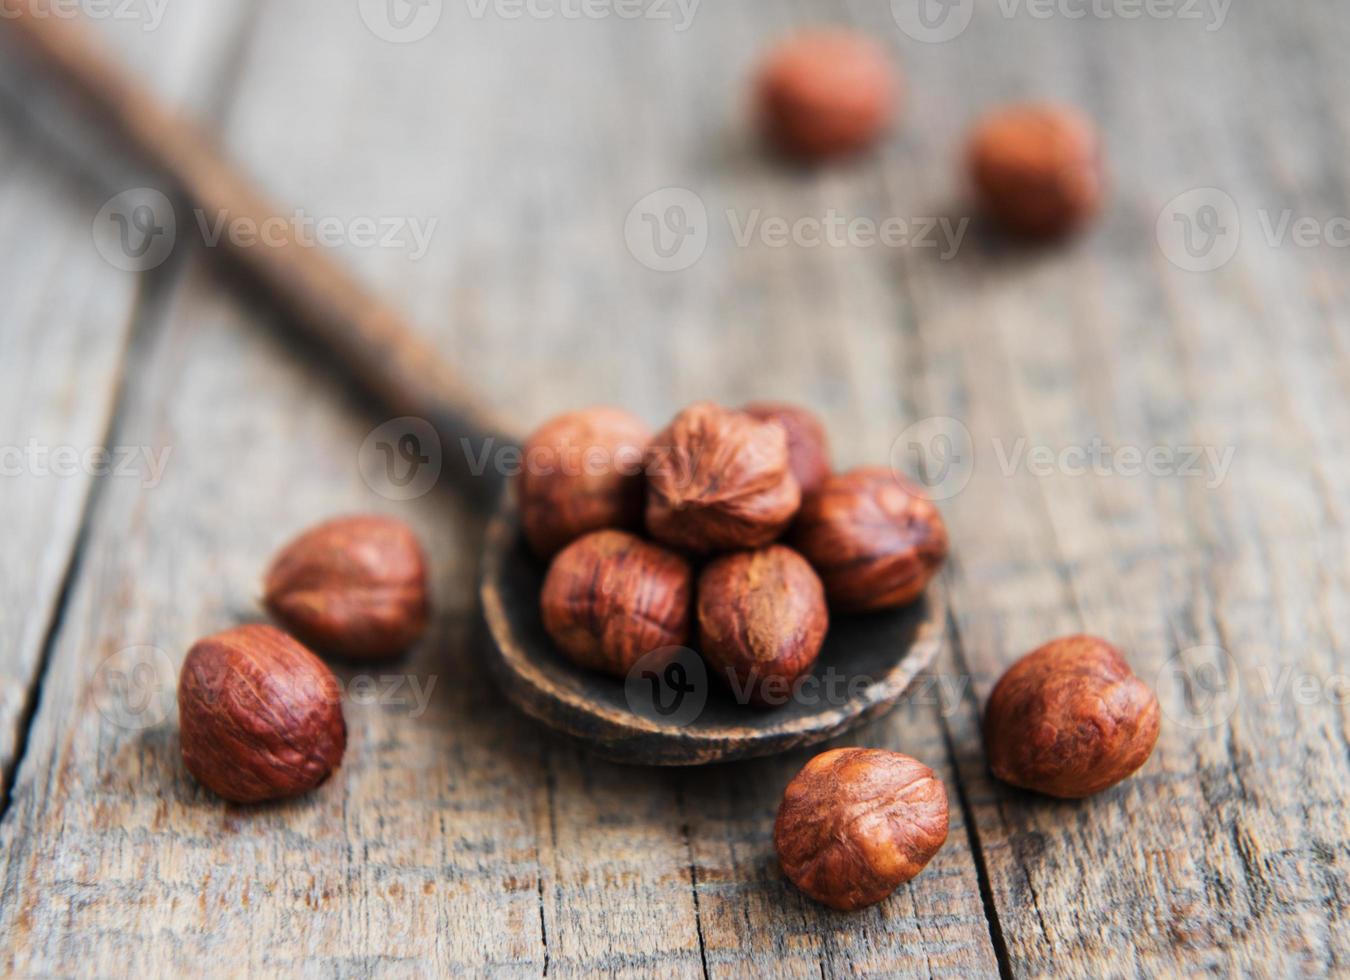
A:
x: 362, y: 336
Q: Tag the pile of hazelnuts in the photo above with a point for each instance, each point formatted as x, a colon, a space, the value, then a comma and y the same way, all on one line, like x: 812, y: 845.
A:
x: 730, y: 529
x: 749, y: 499
x: 750, y: 541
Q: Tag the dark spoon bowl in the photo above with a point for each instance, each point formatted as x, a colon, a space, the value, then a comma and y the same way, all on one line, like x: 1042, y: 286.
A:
x: 867, y: 664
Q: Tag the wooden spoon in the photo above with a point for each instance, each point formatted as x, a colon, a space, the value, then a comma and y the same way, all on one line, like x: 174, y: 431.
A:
x: 868, y: 662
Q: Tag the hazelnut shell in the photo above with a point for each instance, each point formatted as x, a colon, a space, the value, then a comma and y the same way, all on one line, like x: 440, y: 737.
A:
x: 762, y: 620
x: 873, y: 537
x: 855, y: 824
x: 1070, y: 719
x: 826, y: 93
x: 1037, y: 169
x: 582, y: 473
x: 353, y: 587
x: 610, y: 598
x: 260, y: 716
x: 719, y: 480
x: 808, y: 443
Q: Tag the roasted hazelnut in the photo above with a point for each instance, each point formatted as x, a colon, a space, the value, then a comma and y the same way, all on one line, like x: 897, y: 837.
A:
x: 610, y: 598
x: 582, y: 473
x: 261, y: 716
x: 719, y: 480
x: 352, y: 587
x: 855, y: 824
x: 1037, y: 169
x: 762, y: 619
x: 808, y: 445
x: 825, y: 93
x: 1069, y: 719
x: 873, y: 537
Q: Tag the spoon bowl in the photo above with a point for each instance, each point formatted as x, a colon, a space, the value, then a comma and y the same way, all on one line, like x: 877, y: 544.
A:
x: 677, y: 715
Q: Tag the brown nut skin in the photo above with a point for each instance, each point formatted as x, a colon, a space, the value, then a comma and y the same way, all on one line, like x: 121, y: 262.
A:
x: 260, y: 716
x: 353, y: 587
x: 762, y: 620
x: 610, y: 598
x: 1037, y: 169
x: 873, y: 537
x: 808, y: 444
x: 855, y: 824
x: 719, y: 480
x: 582, y: 473
x: 1070, y: 719
x: 825, y: 94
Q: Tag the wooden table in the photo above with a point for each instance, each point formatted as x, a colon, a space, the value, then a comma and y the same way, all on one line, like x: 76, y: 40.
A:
x: 459, y: 837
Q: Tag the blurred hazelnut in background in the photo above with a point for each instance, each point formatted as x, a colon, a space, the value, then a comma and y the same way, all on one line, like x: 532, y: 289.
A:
x: 826, y: 93
x: 1037, y: 169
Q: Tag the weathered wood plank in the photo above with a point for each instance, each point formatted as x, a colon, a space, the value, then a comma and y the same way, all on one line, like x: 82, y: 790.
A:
x: 68, y: 318
x: 462, y: 838
x: 1222, y: 856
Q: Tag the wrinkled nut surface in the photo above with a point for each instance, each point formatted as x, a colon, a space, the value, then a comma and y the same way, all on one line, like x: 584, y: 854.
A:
x: 352, y: 587
x: 582, y: 473
x: 260, y: 716
x: 855, y: 824
x: 610, y: 598
x: 808, y: 444
x: 873, y: 537
x: 719, y: 480
x: 762, y: 620
x: 825, y: 93
x: 1037, y: 169
x: 1070, y: 719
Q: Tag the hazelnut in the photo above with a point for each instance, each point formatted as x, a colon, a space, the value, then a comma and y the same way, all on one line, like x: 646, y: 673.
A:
x: 762, y: 620
x: 583, y: 472
x: 719, y: 481
x: 873, y: 537
x: 261, y: 716
x: 1037, y: 169
x: 353, y: 587
x: 610, y: 598
x: 855, y: 824
x: 1069, y: 719
x: 808, y: 445
x: 825, y: 93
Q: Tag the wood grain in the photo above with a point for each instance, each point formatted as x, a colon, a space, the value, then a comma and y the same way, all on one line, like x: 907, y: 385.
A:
x: 463, y: 838
x: 69, y: 318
